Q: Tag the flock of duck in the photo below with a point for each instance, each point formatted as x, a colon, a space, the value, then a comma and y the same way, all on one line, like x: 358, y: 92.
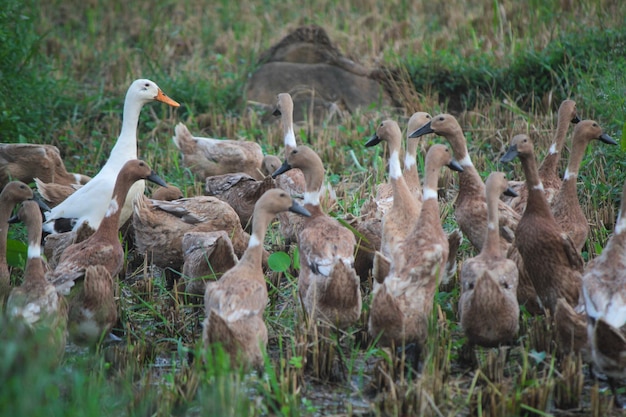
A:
x: 528, y: 235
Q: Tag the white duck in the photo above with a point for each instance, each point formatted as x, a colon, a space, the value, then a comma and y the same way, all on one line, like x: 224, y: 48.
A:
x: 90, y: 202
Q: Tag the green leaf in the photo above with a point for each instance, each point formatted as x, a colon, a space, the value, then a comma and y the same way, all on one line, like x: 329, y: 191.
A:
x: 279, y: 261
x: 296, y: 258
x: 17, y: 253
x: 623, y: 141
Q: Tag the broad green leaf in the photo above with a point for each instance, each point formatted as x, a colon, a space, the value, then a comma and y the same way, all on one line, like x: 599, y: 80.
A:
x: 279, y: 261
x: 17, y: 253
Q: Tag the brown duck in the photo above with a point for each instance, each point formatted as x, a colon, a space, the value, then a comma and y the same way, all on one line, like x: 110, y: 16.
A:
x: 236, y: 302
x: 549, y: 259
x: 488, y: 304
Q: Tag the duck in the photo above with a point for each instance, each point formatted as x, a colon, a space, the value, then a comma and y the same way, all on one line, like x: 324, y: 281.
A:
x: 470, y: 206
x: 102, y: 255
x: 549, y: 168
x: 293, y: 180
x: 90, y: 202
x: 240, y: 190
x: 327, y: 282
x: 488, y: 306
x: 402, y: 304
x: 36, y: 302
x: 13, y: 193
x: 205, y: 255
x: 206, y: 157
x: 369, y: 226
x: 236, y: 302
x: 549, y: 258
x: 604, y: 295
x: 565, y: 205
x: 159, y: 228
x: 405, y: 206
x: 27, y: 161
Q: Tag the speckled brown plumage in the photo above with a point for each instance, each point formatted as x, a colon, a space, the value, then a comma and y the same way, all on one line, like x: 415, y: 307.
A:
x: 565, y: 205
x: 236, y: 302
x: 160, y: 226
x: 550, y: 259
x: 470, y: 206
x: 549, y: 168
x: 240, y: 191
x: 604, y: 290
x: 206, y: 255
x: 327, y: 282
x: 92, y: 307
x: 488, y: 305
x: 26, y: 161
x: 36, y: 302
x: 207, y: 156
x: 103, y: 247
x: 402, y: 304
x: 54, y: 193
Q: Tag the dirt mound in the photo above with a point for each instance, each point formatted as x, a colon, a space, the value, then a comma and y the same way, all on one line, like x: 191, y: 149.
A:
x: 318, y: 76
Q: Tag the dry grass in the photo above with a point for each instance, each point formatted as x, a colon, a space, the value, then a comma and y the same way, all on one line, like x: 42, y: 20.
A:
x: 201, y: 54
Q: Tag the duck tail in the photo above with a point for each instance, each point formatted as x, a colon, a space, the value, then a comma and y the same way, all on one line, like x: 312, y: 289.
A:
x: 183, y: 139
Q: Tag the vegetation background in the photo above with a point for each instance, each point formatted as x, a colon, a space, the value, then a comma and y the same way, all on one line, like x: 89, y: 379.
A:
x: 502, y: 67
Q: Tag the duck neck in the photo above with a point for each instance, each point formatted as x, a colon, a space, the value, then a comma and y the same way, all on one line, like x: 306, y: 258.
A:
x: 253, y: 255
x: 430, y: 205
x: 410, y: 173
x: 288, y: 132
x: 110, y: 223
x: 491, y: 247
x: 126, y: 146
x: 313, y: 178
x: 469, y: 180
x: 34, y: 271
x: 401, y: 193
x: 549, y: 166
x: 536, y: 196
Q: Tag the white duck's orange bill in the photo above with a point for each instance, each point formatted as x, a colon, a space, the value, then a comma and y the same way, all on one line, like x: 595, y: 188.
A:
x: 165, y: 99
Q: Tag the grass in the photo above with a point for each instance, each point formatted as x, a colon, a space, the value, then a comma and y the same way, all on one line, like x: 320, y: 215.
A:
x: 501, y: 67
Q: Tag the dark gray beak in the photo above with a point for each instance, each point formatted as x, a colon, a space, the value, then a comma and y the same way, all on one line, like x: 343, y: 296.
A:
x: 424, y: 130
x: 510, y: 154
x: 373, y: 141
x: 509, y: 191
x: 607, y: 139
x: 283, y: 168
x: 297, y: 208
x: 42, y: 204
x: 276, y: 112
x: 455, y: 166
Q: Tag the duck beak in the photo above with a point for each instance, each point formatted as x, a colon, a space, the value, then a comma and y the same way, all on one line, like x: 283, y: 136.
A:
x: 373, y: 141
x: 510, y: 192
x: 455, y: 166
x: 156, y: 179
x: 283, y: 168
x: 165, y: 99
x: 277, y: 112
x: 297, y: 208
x: 575, y: 120
x: 424, y: 130
x: 607, y: 139
x: 510, y: 154
x: 42, y: 204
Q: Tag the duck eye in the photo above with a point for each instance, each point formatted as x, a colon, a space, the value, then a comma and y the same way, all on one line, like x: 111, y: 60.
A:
x: 470, y: 285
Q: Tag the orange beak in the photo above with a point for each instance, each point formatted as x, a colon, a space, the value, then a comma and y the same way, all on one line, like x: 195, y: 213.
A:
x: 165, y: 99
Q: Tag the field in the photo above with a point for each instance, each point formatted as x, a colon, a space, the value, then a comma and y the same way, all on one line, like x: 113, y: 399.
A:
x: 501, y: 67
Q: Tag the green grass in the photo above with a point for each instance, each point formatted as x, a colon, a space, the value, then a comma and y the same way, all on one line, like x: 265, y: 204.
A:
x: 501, y: 67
